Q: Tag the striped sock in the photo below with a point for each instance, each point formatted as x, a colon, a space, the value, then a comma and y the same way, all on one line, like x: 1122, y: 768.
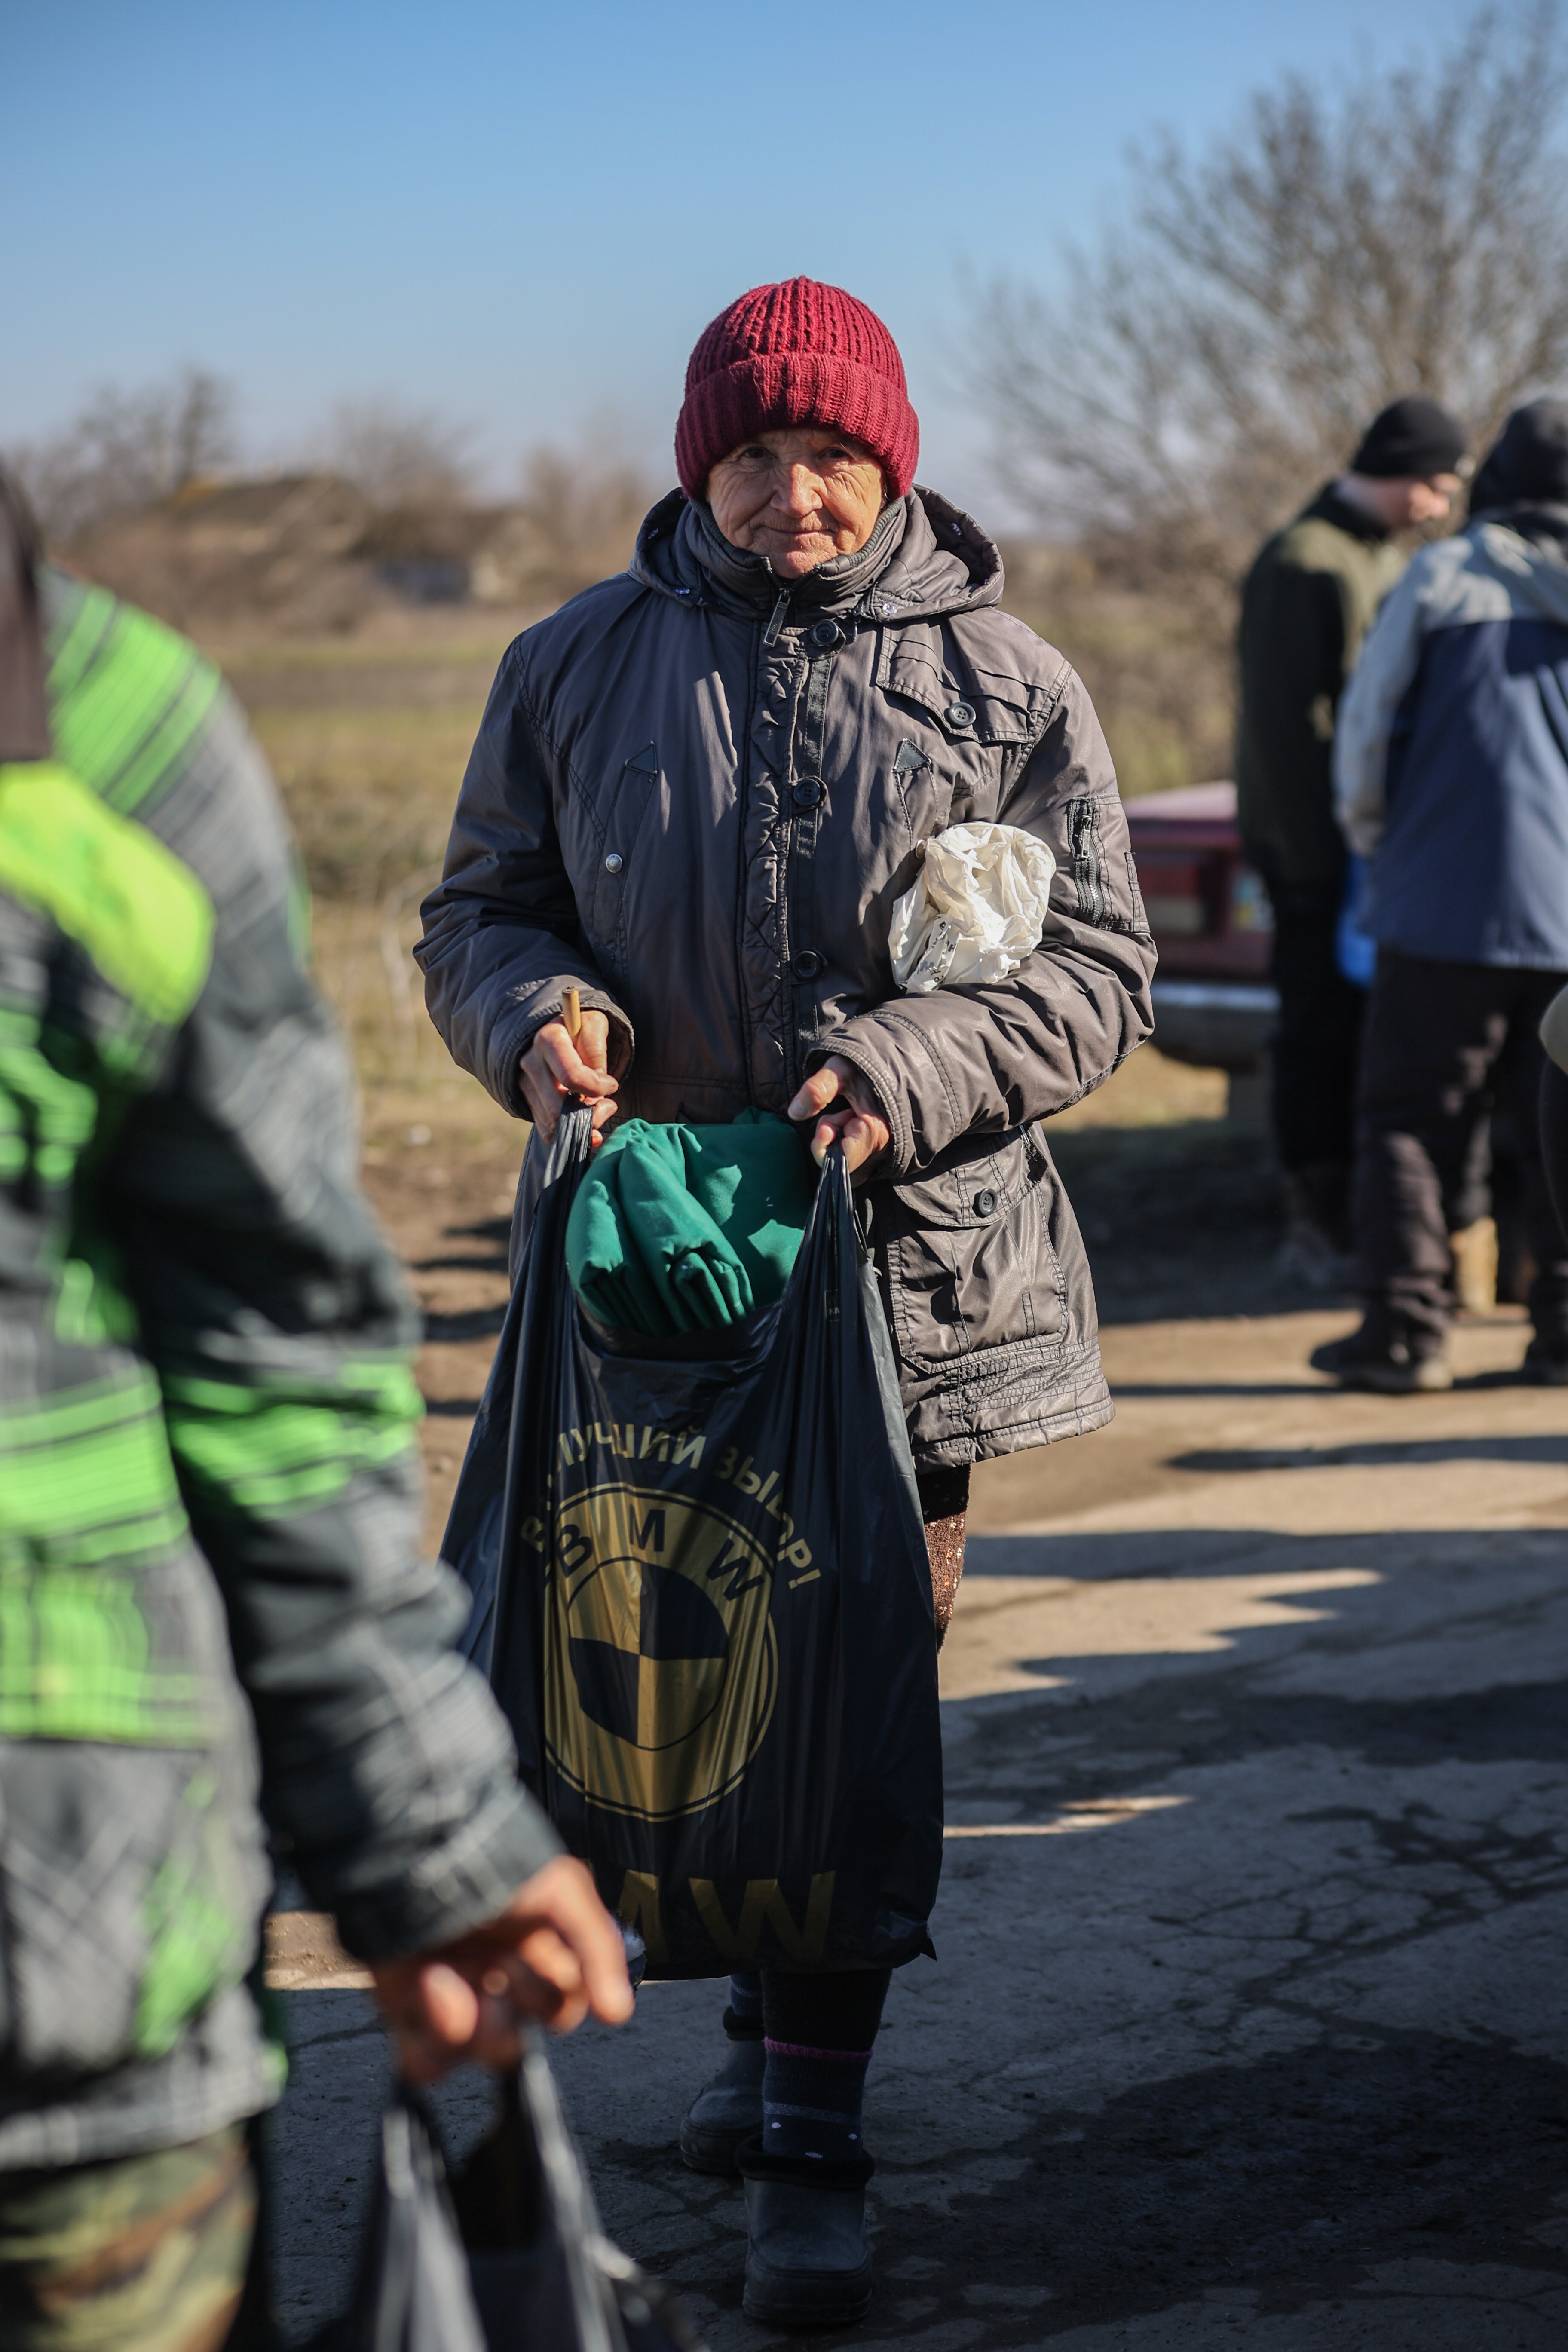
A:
x: 818, y: 2030
x: 812, y: 2100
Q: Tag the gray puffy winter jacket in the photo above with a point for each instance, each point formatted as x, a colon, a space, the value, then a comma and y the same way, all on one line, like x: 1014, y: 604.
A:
x: 697, y: 793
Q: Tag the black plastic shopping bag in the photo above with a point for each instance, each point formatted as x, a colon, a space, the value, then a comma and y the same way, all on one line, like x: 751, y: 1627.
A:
x: 701, y: 1592
x: 508, y: 2257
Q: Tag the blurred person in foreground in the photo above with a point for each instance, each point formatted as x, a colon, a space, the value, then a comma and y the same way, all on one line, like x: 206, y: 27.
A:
x: 1307, y: 603
x: 1452, y: 779
x: 211, y: 1605
x: 697, y: 793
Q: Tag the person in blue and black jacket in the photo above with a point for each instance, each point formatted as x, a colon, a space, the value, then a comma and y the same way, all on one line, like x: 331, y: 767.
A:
x: 1451, y: 776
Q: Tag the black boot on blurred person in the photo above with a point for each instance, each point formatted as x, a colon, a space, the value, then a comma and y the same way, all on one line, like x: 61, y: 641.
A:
x: 1389, y: 1357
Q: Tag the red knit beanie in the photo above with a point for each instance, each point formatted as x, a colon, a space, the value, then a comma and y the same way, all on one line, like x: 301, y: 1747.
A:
x: 796, y: 353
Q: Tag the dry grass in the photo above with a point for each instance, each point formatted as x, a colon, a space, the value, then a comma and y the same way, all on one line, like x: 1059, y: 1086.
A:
x: 1155, y: 651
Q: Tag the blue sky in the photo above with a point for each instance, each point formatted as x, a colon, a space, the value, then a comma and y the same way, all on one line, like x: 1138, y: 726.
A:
x: 523, y: 215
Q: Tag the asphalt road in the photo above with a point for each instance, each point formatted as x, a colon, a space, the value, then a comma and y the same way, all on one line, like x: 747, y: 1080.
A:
x: 1250, y: 2020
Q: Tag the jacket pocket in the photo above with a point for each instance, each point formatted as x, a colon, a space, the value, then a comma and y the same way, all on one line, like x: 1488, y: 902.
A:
x: 625, y: 806
x: 969, y: 1256
x: 162, y: 1850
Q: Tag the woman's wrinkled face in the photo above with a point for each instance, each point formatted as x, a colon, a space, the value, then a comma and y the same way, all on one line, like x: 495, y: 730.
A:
x: 799, y: 497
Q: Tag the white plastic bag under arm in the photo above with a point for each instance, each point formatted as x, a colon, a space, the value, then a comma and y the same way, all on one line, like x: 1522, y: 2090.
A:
x: 977, y: 909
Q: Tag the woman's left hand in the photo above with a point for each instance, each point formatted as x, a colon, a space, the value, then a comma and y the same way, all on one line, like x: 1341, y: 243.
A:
x: 856, y: 1122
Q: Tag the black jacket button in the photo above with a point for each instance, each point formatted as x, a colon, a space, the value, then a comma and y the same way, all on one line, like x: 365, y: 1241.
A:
x: 985, y: 1202
x: 808, y: 791
x: 807, y: 964
x: 823, y: 635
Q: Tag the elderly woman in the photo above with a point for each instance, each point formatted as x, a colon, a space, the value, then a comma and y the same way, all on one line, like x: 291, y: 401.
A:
x: 697, y: 793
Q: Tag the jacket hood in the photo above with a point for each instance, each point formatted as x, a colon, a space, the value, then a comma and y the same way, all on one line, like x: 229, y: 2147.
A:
x: 925, y: 561
x: 1529, y: 463
x: 1527, y: 554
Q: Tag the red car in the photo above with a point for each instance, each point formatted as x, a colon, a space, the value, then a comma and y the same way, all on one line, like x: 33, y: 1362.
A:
x: 1213, y: 925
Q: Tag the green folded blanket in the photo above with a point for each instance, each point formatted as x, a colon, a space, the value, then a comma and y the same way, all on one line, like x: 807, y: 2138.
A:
x: 688, y: 1228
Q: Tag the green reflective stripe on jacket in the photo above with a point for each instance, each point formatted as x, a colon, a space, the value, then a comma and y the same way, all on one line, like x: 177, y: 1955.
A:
x: 76, y: 1662
x: 87, y: 1489
x: 273, y: 1453
x: 77, y: 635
x: 87, y: 1475
x: 126, y: 695
x: 196, y: 1941
x: 46, y: 1117
x: 112, y: 886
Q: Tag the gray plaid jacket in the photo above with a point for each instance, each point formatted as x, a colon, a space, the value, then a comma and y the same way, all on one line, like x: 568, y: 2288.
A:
x: 211, y: 1606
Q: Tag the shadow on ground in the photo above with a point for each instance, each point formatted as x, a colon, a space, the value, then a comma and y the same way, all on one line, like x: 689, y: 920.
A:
x: 1374, y: 1455
x: 1299, y: 2177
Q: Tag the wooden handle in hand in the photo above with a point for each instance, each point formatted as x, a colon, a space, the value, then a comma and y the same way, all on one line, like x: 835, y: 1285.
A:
x: 571, y: 1009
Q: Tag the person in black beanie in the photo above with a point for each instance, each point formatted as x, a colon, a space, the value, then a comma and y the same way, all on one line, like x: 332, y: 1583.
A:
x: 1452, y: 779
x: 1307, y: 601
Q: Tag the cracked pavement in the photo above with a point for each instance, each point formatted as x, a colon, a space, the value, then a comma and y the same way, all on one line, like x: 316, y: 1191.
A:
x: 1250, y: 2019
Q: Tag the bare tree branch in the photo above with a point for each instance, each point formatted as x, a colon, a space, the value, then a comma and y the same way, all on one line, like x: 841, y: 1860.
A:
x: 127, y: 450
x: 398, y: 457
x: 1225, y: 347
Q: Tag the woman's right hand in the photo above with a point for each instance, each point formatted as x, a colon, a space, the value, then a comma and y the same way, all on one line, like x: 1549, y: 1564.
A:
x: 556, y: 1066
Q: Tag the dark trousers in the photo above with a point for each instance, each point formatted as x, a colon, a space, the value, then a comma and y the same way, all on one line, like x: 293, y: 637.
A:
x: 1554, y: 1137
x: 840, y: 2010
x: 1317, y: 1039
x: 1444, y: 1044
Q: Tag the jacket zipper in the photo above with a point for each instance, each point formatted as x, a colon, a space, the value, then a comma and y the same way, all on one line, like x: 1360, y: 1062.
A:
x: 1086, y: 861
x: 776, y: 619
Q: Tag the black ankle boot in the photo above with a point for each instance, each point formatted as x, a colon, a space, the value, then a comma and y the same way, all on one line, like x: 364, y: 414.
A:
x: 1393, y: 1361
x: 728, y: 2109
x: 808, y: 2263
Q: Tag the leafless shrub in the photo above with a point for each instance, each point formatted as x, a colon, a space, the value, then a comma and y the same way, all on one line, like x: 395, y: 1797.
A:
x: 404, y: 459
x: 1217, y: 356
x: 575, y: 522
x: 585, y: 502
x: 127, y: 450
x: 1407, y: 231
